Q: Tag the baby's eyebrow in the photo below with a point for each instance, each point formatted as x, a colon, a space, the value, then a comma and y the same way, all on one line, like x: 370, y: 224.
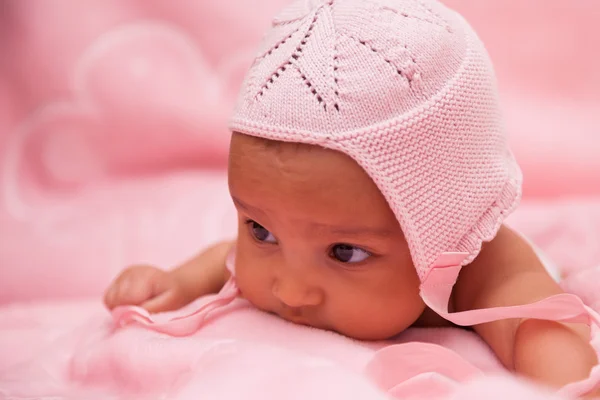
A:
x: 332, y: 229
x: 246, y: 207
x: 353, y: 230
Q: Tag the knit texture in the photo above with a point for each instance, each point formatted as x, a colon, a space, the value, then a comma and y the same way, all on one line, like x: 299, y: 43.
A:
x: 405, y: 88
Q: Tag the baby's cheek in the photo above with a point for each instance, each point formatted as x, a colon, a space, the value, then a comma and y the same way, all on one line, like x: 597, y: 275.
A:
x: 254, y: 286
x: 379, y: 314
x: 374, y: 325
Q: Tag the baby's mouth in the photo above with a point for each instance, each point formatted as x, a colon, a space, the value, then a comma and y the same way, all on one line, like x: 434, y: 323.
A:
x: 302, y: 319
x: 294, y: 315
x: 298, y: 320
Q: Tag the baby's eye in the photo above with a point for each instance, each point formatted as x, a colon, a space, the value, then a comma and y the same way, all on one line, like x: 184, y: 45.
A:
x: 260, y: 233
x: 349, y: 254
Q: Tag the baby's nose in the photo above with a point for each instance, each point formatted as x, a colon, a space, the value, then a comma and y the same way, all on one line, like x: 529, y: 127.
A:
x: 295, y: 294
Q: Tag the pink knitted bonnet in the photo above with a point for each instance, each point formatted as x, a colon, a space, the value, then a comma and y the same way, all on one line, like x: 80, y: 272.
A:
x: 405, y: 88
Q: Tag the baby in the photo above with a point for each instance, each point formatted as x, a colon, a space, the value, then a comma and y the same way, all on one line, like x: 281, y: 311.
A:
x: 368, y: 165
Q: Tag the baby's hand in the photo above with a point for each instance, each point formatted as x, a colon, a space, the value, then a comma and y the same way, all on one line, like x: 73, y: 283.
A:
x: 149, y: 287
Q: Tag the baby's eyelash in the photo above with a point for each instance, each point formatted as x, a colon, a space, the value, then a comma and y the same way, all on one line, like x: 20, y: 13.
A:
x: 260, y: 233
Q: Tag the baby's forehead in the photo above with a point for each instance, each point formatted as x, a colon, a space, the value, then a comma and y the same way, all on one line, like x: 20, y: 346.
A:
x: 303, y: 183
x: 274, y: 145
x: 246, y: 148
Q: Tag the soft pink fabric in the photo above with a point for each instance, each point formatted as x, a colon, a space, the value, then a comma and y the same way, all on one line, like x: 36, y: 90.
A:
x: 76, y: 354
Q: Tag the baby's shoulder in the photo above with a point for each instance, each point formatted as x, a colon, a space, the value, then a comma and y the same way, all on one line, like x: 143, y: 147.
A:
x: 507, y: 272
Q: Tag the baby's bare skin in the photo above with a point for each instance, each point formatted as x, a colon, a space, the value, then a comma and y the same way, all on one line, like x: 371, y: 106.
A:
x: 318, y: 245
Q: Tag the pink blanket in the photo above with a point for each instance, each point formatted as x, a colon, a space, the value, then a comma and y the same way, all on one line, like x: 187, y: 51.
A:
x: 72, y: 350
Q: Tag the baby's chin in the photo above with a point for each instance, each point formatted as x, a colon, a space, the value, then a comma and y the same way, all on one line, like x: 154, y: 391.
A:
x: 376, y: 327
x: 373, y: 334
x: 362, y: 332
x: 362, y: 329
x: 370, y: 331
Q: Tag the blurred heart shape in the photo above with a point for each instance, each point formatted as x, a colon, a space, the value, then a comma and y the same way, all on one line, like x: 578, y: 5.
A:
x: 144, y: 100
x: 147, y: 68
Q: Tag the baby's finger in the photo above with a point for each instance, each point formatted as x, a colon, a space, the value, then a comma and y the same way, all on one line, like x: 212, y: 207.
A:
x: 165, y: 301
x: 110, y: 296
x: 135, y: 290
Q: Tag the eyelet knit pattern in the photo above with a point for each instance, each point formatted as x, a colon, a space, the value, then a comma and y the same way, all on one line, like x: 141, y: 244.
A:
x: 405, y: 88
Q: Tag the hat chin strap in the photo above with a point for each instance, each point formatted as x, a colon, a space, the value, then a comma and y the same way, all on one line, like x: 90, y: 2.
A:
x: 436, y: 290
x: 184, y: 325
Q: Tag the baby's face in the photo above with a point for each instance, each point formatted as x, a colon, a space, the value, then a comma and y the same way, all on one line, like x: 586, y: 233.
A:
x: 318, y: 244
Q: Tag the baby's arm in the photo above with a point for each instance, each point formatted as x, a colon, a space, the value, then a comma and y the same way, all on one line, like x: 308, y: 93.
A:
x: 508, y: 272
x: 204, y: 274
x: 160, y: 290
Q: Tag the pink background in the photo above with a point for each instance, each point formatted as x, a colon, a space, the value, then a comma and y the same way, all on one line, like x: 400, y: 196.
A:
x: 113, y: 134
